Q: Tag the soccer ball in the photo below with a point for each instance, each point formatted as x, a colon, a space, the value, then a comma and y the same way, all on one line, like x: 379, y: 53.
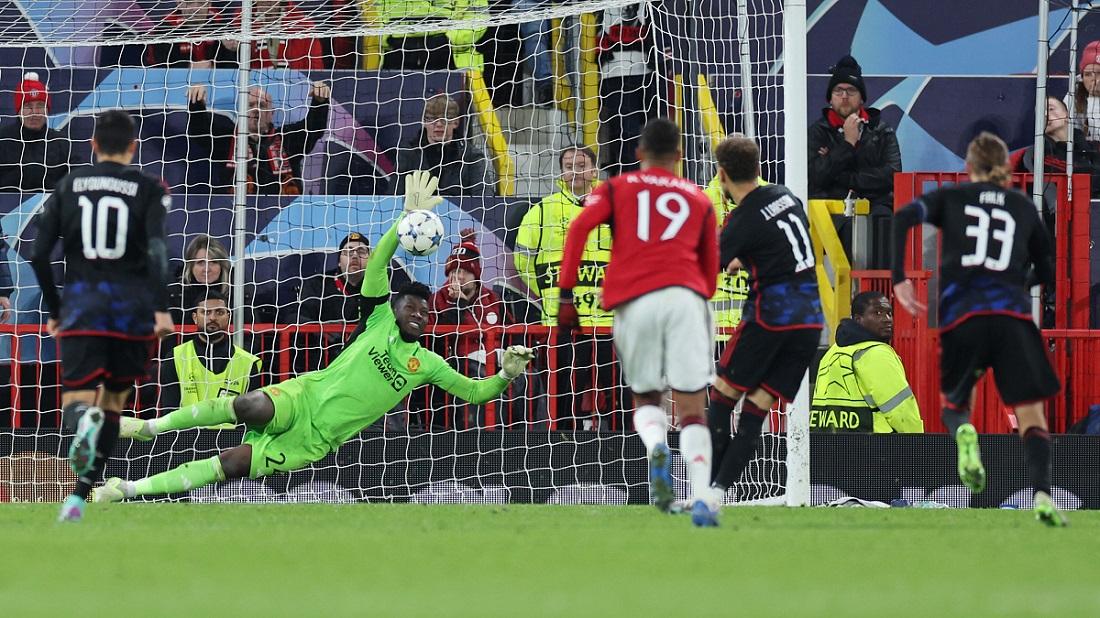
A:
x: 420, y: 231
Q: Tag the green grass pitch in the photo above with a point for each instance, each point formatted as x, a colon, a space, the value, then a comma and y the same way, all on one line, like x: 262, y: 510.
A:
x: 534, y: 560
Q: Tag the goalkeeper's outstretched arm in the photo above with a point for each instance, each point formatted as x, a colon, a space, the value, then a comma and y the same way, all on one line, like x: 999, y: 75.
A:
x: 419, y: 195
x: 482, y: 391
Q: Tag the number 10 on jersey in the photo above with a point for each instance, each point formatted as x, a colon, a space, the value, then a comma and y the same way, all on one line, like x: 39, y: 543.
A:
x: 94, y: 225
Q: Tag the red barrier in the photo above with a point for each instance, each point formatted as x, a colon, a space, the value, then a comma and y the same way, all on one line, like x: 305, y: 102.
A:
x: 1074, y: 351
x: 289, y: 350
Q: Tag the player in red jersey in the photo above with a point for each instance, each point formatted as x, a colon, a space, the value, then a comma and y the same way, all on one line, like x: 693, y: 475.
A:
x: 663, y: 269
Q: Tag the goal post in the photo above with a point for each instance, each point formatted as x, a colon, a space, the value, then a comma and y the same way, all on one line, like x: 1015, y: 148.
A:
x: 279, y: 174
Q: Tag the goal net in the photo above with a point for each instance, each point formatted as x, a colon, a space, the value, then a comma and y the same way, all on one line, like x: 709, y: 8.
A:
x: 283, y: 130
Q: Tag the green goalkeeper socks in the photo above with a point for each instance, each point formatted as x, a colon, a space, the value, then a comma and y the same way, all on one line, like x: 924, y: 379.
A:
x: 184, y: 478
x: 202, y: 414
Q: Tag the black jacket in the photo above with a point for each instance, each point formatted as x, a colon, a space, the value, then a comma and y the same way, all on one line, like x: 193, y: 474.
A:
x: 184, y: 297
x: 32, y: 160
x: 211, y: 138
x: 7, y: 286
x: 325, y: 298
x: 460, y: 167
x: 867, y: 168
x: 1086, y: 160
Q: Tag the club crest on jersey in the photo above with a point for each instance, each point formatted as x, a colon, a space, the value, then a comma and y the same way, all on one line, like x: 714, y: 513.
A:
x: 413, y: 364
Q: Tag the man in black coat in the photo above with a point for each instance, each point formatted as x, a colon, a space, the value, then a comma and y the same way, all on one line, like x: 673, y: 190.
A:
x: 33, y: 157
x: 852, y: 152
x: 441, y: 150
x: 275, y: 155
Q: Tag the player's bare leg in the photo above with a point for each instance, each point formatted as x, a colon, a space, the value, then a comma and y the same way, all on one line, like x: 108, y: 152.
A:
x: 652, y: 427
x: 255, y: 409
x: 1033, y: 431
x: 695, y: 446
x: 96, y: 435
x: 957, y: 419
x: 754, y: 410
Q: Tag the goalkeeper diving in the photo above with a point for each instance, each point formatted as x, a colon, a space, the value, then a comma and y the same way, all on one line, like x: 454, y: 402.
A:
x: 299, y: 421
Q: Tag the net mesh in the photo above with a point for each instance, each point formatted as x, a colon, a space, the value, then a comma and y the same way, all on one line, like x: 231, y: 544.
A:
x: 342, y: 100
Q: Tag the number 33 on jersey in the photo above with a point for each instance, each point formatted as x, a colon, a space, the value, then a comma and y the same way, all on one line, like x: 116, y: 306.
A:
x: 663, y: 235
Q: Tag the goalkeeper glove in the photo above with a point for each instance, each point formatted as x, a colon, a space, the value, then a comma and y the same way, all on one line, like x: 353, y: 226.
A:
x: 420, y: 191
x: 515, y: 362
x: 567, y: 312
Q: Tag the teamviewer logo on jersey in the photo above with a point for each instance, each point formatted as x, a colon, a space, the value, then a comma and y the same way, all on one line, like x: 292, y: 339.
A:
x: 387, y: 370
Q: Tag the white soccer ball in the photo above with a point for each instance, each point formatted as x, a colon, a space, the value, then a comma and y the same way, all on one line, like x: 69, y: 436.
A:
x: 420, y: 232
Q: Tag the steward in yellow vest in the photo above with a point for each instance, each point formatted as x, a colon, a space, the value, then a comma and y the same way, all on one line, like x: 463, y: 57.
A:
x: 208, y: 365
x: 541, y: 239
x: 861, y: 384
x: 732, y: 290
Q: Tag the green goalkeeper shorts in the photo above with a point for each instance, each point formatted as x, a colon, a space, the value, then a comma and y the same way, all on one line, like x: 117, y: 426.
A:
x: 289, y: 441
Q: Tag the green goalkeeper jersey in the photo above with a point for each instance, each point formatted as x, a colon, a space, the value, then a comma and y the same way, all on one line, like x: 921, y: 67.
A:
x: 379, y: 369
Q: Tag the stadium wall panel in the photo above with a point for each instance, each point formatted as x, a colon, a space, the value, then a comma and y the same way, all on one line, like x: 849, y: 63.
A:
x: 500, y: 466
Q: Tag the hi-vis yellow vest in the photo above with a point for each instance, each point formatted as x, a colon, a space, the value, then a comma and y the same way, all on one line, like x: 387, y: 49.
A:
x: 732, y: 290
x: 197, y: 383
x: 876, y: 398
x: 540, y: 242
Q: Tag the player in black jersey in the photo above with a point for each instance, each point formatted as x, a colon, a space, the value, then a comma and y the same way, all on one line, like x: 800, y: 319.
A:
x: 992, y: 237
x: 766, y: 358
x: 110, y: 218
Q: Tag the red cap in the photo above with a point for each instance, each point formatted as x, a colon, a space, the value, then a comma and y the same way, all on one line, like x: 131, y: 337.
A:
x: 465, y: 256
x: 1090, y: 55
x: 31, y: 89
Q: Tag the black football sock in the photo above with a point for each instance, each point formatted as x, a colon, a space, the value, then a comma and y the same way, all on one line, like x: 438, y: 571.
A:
x: 954, y: 418
x: 1037, y: 457
x: 740, y: 451
x: 104, y: 446
x: 719, y: 414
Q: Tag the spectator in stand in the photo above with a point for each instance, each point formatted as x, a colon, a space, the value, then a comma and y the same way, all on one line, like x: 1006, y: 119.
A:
x: 195, y: 19
x: 33, y: 157
x: 278, y: 18
x: 7, y: 286
x: 275, y: 155
x: 205, y: 272
x: 208, y: 365
x: 459, y: 165
x: 1086, y: 158
x: 539, y: 244
x: 464, y: 301
x: 628, y: 90
x: 428, y: 51
x: 1085, y: 98
x: 861, y: 384
x: 535, y: 36
x: 854, y: 153
x: 333, y: 296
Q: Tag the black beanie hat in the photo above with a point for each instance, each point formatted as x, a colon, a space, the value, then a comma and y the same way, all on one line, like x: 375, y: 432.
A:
x: 847, y: 71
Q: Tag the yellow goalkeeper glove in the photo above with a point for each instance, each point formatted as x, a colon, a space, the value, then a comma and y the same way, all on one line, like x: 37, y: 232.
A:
x: 515, y: 362
x: 420, y: 191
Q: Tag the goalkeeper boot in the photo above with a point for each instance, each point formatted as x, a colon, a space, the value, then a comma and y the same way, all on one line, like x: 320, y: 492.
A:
x: 660, y: 477
x: 971, y: 471
x: 110, y: 491
x: 134, y: 429
x: 1047, y: 513
x: 82, y: 450
x: 703, y: 516
x: 72, y: 509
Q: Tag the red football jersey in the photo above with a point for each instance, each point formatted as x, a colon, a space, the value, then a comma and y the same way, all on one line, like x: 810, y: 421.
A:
x: 663, y: 235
